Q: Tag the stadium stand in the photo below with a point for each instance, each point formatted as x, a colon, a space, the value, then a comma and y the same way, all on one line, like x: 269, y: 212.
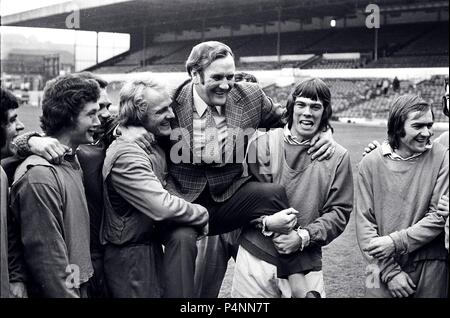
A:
x: 410, y: 61
x: 428, y: 48
x: 431, y: 90
x: 333, y: 64
x: 403, y: 45
x: 376, y: 105
x: 434, y: 42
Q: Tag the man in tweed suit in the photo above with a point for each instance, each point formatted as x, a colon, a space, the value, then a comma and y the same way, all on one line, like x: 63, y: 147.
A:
x: 211, y: 101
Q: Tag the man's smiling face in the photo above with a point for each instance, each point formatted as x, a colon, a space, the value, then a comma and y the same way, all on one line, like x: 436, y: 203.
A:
x: 418, y: 131
x: 12, y: 128
x: 215, y: 82
x: 307, y: 116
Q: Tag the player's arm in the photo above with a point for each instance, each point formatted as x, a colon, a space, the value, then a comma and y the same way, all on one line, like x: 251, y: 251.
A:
x: 49, y: 148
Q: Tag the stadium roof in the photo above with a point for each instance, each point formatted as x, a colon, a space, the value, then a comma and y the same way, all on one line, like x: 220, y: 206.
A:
x: 163, y: 15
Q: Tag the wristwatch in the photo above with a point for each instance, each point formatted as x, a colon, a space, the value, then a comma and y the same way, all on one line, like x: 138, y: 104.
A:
x: 264, y: 230
x: 304, y: 237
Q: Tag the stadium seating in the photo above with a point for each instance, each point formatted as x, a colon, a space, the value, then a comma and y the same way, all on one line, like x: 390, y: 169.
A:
x: 403, y: 45
x: 336, y: 63
x: 410, y: 61
x: 434, y: 42
x: 377, y: 105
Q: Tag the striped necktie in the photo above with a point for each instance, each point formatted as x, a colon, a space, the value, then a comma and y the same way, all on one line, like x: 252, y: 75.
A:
x: 212, y: 151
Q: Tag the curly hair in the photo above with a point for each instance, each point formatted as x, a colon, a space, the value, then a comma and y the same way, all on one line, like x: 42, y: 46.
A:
x: 88, y: 75
x: 8, y: 102
x: 245, y: 77
x: 64, y: 98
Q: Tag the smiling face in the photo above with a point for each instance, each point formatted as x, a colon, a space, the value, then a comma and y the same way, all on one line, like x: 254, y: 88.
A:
x: 159, y: 112
x: 215, y: 82
x: 86, y: 125
x: 307, y: 114
x: 12, y: 129
x: 418, y: 131
x: 103, y: 114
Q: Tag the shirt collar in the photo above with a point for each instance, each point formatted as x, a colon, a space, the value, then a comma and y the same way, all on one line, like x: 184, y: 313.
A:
x: 387, y: 151
x: 200, y: 105
x: 116, y: 131
x: 293, y: 140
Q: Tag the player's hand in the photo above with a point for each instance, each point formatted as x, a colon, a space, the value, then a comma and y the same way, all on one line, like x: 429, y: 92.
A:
x: 371, y: 146
x: 442, y: 208
x: 146, y: 141
x: 381, y: 247
x: 287, y: 243
x: 401, y: 285
x: 141, y: 136
x: 322, y: 145
x: 49, y: 148
x: 282, y: 222
x: 203, y: 232
x: 18, y: 290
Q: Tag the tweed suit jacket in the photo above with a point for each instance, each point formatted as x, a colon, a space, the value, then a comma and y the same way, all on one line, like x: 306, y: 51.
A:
x: 247, y: 108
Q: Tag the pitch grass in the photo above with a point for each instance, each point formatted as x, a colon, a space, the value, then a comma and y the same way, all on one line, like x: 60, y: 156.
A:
x: 343, y: 264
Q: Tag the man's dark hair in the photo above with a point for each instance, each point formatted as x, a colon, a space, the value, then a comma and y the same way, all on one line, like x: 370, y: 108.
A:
x: 64, y: 98
x: 88, y: 75
x: 203, y: 54
x: 401, y: 107
x: 317, y: 90
x: 245, y: 77
x: 8, y: 101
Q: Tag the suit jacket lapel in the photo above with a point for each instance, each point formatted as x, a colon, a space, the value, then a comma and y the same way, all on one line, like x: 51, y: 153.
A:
x: 233, y: 113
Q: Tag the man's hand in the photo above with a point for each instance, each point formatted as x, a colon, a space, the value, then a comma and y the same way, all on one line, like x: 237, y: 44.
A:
x: 282, y: 222
x: 146, y: 141
x: 282, y: 111
x: 18, y: 290
x: 201, y: 221
x: 141, y: 136
x: 442, y: 208
x: 203, y: 232
x: 49, y: 148
x: 401, y: 285
x: 381, y: 247
x: 322, y: 146
x: 371, y: 146
x: 287, y: 243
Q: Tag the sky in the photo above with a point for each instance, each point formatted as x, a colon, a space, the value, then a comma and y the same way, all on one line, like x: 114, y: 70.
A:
x: 113, y: 44
x: 14, y: 6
